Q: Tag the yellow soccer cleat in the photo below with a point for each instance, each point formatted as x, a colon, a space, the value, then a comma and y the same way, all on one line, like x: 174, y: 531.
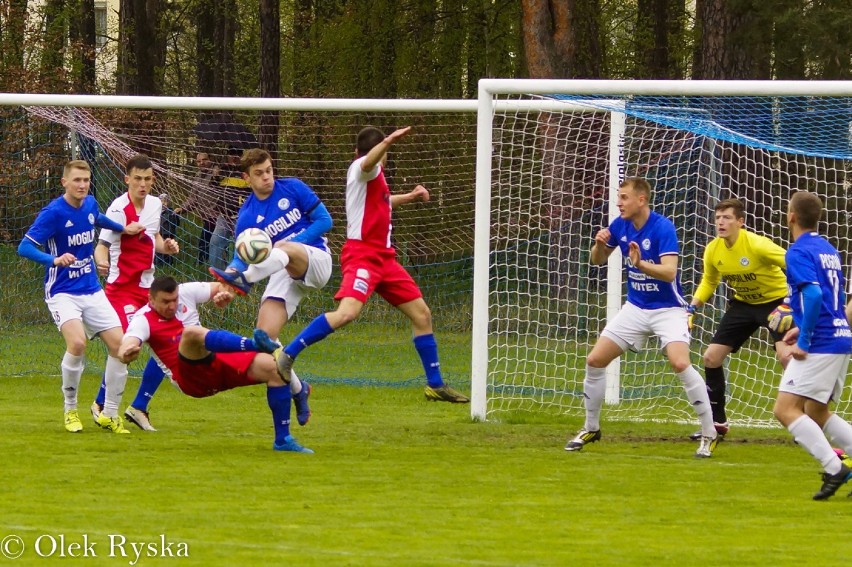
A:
x: 114, y: 424
x: 445, y: 394
x: 72, y: 421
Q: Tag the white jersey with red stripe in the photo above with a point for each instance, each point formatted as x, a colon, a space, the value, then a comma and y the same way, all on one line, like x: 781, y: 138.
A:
x: 368, y: 206
x: 131, y: 258
x: 163, y: 335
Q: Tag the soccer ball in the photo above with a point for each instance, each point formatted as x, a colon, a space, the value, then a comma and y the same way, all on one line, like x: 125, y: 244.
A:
x: 253, y: 246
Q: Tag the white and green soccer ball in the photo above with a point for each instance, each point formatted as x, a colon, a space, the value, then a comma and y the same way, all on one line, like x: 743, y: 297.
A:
x: 253, y: 246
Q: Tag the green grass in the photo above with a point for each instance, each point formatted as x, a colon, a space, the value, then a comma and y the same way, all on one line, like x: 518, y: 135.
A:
x: 399, y: 481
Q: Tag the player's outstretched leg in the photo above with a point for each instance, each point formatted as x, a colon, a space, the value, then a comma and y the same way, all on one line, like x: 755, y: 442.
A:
x: 264, y: 342
x: 236, y: 280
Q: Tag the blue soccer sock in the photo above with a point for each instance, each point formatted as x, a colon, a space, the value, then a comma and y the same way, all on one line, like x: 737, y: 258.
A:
x: 427, y: 348
x: 317, y: 330
x: 279, y: 398
x: 226, y: 341
x: 152, y: 376
x: 99, y: 399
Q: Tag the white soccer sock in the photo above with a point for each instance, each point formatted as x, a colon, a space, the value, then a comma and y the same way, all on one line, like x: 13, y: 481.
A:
x: 807, y: 434
x: 277, y: 261
x: 839, y: 431
x: 696, y: 393
x: 115, y: 377
x: 72, y: 368
x: 295, y: 383
x: 594, y: 391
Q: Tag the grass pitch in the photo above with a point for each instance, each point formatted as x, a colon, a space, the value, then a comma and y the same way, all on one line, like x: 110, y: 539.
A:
x: 399, y: 481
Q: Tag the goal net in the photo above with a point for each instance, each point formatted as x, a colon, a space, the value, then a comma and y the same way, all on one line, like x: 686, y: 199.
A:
x: 310, y: 139
x: 548, y: 167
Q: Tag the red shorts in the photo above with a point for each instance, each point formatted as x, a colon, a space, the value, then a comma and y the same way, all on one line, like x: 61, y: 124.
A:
x: 126, y: 301
x: 367, y: 270
x: 219, y: 372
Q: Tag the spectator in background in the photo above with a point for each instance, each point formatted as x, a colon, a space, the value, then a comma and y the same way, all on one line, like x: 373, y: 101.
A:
x: 233, y: 191
x: 169, y: 222
x: 202, y: 202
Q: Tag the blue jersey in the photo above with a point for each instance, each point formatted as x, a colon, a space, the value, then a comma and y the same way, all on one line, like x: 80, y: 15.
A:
x: 60, y: 228
x: 813, y: 260
x: 284, y: 214
x: 656, y: 238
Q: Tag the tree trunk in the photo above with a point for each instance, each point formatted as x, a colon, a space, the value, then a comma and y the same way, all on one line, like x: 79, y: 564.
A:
x: 303, y: 20
x: 225, y: 22
x: 205, y: 47
x: 659, y: 23
x: 141, y: 49
x: 126, y: 77
x: 562, y: 40
x: 83, y: 47
x: 733, y: 40
x: 148, y: 46
x: 270, y: 72
x: 588, y: 50
x: 53, y: 54
x: 549, y: 39
x: 476, y: 64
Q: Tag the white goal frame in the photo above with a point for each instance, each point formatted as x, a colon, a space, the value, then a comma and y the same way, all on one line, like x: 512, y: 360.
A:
x: 489, y: 106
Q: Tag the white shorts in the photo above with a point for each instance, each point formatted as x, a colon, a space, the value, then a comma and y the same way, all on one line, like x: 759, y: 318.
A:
x: 94, y: 310
x: 819, y: 377
x: 283, y: 287
x: 632, y: 326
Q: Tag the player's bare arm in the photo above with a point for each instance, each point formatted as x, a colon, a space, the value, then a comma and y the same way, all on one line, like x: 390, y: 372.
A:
x: 418, y: 194
x: 165, y: 246
x: 129, y: 349
x: 666, y: 270
x: 600, y: 251
x: 102, y: 257
x: 849, y: 310
x: 375, y: 155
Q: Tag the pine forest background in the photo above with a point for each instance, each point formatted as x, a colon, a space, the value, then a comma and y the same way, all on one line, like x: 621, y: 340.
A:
x: 353, y: 49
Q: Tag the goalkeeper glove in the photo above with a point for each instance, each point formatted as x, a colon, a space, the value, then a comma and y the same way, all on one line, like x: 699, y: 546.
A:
x: 781, y: 318
x: 690, y: 315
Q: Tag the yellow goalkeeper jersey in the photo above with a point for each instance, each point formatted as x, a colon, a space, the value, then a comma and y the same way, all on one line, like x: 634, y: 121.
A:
x: 753, y: 267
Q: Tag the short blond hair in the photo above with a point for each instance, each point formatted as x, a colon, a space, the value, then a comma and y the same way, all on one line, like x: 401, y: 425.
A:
x: 639, y: 185
x: 75, y: 164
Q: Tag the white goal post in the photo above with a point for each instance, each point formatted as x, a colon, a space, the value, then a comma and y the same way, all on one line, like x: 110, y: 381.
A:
x: 547, y: 176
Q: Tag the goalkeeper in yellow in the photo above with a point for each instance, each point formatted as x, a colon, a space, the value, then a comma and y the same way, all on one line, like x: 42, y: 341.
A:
x: 753, y: 267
